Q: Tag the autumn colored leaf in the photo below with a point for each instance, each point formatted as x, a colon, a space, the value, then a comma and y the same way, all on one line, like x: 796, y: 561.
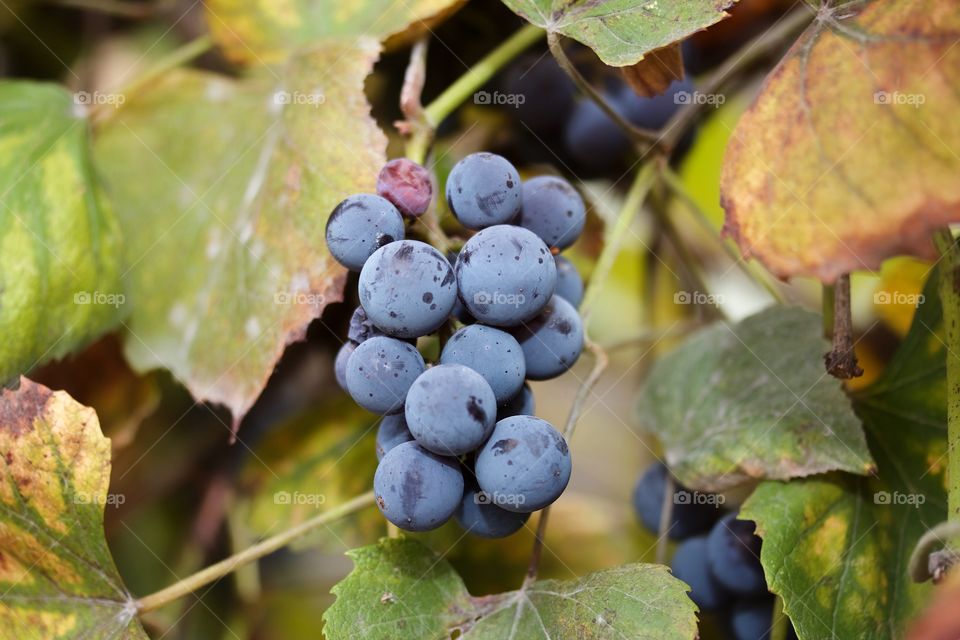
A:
x: 57, y: 576
x: 225, y: 241
x: 850, y: 153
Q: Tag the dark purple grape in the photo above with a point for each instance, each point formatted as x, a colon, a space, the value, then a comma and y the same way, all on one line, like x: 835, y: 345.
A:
x: 407, y: 185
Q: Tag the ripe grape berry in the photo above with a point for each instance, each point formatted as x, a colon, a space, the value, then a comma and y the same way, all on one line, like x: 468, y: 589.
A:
x: 687, y: 517
x: 450, y: 409
x: 505, y: 275
x: 553, y: 210
x: 484, y: 189
x: 569, y: 282
x: 494, y: 354
x: 416, y: 489
x: 479, y: 516
x: 752, y: 619
x: 407, y: 185
x: 380, y: 371
x: 690, y: 565
x: 525, y: 465
x: 442, y: 422
x: 407, y: 289
x: 360, y: 225
x: 734, y: 554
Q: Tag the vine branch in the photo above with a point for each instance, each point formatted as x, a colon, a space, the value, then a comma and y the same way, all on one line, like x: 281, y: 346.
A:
x: 228, y: 565
x: 841, y: 360
x: 949, y: 288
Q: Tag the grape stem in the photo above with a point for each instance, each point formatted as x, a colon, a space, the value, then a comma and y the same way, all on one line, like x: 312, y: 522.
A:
x: 841, y: 360
x: 949, y: 287
x: 228, y: 565
x: 465, y: 86
x: 643, y: 138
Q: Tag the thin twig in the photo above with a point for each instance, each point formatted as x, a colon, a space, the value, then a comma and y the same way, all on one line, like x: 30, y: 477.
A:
x: 537, y: 551
x: 666, y: 518
x: 841, y: 360
x: 415, y: 124
x: 949, y: 289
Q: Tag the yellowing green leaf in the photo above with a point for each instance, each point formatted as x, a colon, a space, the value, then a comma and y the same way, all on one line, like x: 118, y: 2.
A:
x: 57, y: 576
x: 59, y: 241
x: 401, y: 590
x: 223, y: 189
x: 622, y: 32
x: 836, y: 547
x: 751, y: 401
x: 850, y: 153
x: 267, y: 31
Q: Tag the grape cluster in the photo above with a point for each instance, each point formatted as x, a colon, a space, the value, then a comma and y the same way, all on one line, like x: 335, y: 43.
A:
x: 458, y: 438
x: 718, y: 555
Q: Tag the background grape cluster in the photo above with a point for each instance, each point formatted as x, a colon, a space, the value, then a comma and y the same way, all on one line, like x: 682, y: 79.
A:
x: 718, y: 555
x: 458, y: 437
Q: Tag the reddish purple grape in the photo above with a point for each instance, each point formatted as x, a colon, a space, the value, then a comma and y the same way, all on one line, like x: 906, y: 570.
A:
x: 407, y: 185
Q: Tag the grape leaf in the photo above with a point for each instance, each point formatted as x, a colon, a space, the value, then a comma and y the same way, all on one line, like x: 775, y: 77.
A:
x: 399, y: 589
x: 57, y: 576
x: 622, y: 32
x: 320, y: 459
x: 225, y: 240
x: 857, y: 123
x: 836, y: 547
x: 59, y: 240
x: 267, y: 31
x: 751, y: 400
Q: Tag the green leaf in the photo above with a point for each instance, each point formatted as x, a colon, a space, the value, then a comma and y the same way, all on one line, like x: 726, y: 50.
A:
x: 267, y: 31
x: 223, y: 189
x: 59, y: 241
x: 857, y: 122
x: 751, y: 400
x: 622, y: 32
x: 836, y: 547
x: 400, y: 589
x: 317, y: 461
x: 57, y: 576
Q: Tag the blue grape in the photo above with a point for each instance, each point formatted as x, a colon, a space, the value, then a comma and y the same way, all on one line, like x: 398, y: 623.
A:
x: 525, y: 465
x: 734, y: 553
x: 569, y: 282
x: 593, y: 140
x: 690, y: 564
x: 380, y: 372
x: 415, y: 489
x: 391, y: 432
x: 505, y: 275
x: 407, y: 289
x: 687, y: 517
x: 553, y: 210
x: 752, y: 619
x: 477, y: 515
x: 340, y: 363
x: 654, y: 112
x: 552, y: 341
x: 450, y: 409
x: 494, y: 354
x: 360, y: 328
x: 483, y: 189
x: 360, y: 225
x: 459, y: 310
x: 520, y: 405
x: 548, y: 92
